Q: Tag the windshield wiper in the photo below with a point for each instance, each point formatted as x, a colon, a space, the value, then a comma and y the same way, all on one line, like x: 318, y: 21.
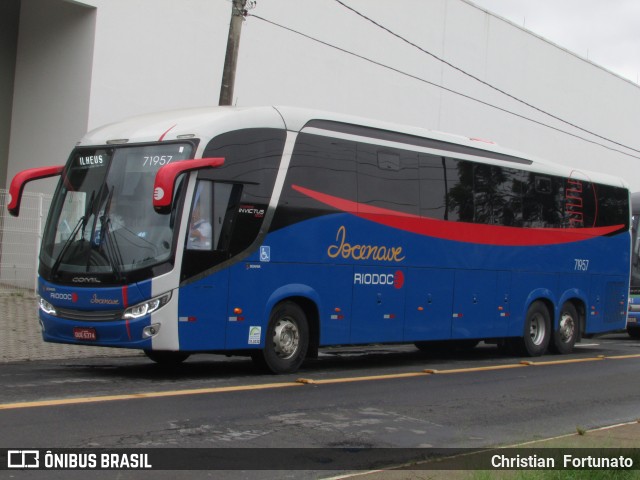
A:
x: 111, y: 250
x: 65, y: 247
x: 82, y: 222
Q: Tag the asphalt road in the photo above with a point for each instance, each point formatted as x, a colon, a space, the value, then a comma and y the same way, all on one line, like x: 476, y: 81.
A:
x: 354, y: 398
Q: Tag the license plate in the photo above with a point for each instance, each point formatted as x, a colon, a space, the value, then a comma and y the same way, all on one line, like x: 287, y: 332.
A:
x: 83, y: 333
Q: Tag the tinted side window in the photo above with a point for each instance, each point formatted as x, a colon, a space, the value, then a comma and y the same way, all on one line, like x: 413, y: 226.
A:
x: 543, y: 201
x: 497, y: 195
x: 460, y: 205
x: 252, y: 157
x: 613, y: 206
x: 433, y: 183
x: 240, y: 192
x: 388, y: 179
x: 321, y: 164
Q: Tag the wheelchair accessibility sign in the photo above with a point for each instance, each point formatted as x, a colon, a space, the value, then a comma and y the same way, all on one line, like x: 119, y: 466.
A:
x: 265, y: 254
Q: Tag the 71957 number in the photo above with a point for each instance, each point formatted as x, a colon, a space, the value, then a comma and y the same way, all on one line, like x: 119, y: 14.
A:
x: 157, y: 160
x: 582, y: 264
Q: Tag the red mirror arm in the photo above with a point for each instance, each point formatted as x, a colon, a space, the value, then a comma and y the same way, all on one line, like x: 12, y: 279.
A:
x: 166, y: 179
x: 22, y: 178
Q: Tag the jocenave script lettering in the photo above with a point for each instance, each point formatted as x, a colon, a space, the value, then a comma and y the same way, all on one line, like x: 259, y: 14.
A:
x: 344, y: 249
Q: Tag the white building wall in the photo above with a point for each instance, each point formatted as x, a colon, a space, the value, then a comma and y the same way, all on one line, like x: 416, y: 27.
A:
x: 9, y: 19
x: 52, y: 84
x: 50, y: 105
x: 159, y: 54
x: 156, y: 54
x: 298, y: 71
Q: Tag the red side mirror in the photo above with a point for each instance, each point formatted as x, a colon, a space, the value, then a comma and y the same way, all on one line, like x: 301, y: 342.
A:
x: 166, y: 179
x: 22, y: 178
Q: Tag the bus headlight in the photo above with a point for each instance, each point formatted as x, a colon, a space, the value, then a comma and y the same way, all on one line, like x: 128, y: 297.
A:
x: 46, y: 307
x: 148, y: 307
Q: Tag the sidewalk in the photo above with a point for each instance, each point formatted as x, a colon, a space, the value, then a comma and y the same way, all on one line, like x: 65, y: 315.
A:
x: 21, y: 338
x: 623, y: 436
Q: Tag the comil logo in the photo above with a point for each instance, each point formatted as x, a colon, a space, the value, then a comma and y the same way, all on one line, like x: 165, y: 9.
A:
x: 396, y: 279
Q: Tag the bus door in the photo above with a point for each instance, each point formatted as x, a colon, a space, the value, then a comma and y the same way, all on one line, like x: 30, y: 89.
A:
x: 480, y: 304
x: 378, y: 304
x: 204, y: 295
x: 428, y: 306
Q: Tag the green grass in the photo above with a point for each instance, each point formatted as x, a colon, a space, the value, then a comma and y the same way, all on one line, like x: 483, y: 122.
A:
x: 558, y: 475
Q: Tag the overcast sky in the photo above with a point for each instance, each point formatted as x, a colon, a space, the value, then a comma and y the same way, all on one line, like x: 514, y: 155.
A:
x: 607, y: 32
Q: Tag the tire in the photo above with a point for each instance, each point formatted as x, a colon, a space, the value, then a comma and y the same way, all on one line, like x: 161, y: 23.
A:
x: 568, y: 332
x: 166, y: 358
x: 433, y: 347
x: 286, y: 340
x: 634, y: 332
x: 537, y: 332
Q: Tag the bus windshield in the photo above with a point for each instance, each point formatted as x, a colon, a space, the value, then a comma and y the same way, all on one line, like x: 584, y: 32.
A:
x: 103, y: 221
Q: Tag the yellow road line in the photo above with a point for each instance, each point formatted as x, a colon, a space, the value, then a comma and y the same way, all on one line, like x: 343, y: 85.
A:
x: 623, y: 357
x: 299, y: 383
x: 476, y: 369
x: 132, y: 396
x: 562, y: 362
x: 329, y: 381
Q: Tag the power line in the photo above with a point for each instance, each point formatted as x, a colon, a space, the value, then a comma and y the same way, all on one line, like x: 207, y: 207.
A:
x: 415, y: 77
x: 513, y: 97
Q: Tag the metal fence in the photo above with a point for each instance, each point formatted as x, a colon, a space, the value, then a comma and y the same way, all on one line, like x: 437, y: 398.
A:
x: 20, y: 240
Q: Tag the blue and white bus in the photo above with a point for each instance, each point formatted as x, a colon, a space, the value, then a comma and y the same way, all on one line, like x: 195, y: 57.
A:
x: 633, y: 321
x: 271, y: 232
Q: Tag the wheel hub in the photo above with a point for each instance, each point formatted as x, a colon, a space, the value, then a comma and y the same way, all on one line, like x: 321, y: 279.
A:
x: 286, y: 338
x: 566, y: 328
x: 537, y: 329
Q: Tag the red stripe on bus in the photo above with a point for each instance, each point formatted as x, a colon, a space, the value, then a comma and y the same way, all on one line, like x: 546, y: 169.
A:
x: 460, y: 231
x: 165, y: 133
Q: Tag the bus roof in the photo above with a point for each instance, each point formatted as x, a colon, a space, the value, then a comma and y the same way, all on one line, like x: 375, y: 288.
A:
x: 205, y: 123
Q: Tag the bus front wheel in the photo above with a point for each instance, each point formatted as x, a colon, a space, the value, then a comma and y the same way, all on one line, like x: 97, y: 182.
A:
x: 166, y: 358
x: 286, y: 340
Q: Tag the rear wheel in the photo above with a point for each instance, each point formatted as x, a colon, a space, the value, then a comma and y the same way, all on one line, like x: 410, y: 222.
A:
x: 633, y: 332
x: 286, y: 341
x: 537, y: 332
x: 568, y: 332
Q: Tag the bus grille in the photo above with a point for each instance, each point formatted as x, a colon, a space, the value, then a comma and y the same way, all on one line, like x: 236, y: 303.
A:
x: 90, y: 316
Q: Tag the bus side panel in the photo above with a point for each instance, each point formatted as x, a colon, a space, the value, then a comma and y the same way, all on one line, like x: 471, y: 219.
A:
x: 475, y: 304
x: 202, y: 313
x: 256, y: 287
x: 378, y: 304
x: 608, y: 309
x: 429, y: 297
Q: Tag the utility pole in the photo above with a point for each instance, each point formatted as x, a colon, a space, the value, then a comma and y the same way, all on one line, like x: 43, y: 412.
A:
x: 238, y: 13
